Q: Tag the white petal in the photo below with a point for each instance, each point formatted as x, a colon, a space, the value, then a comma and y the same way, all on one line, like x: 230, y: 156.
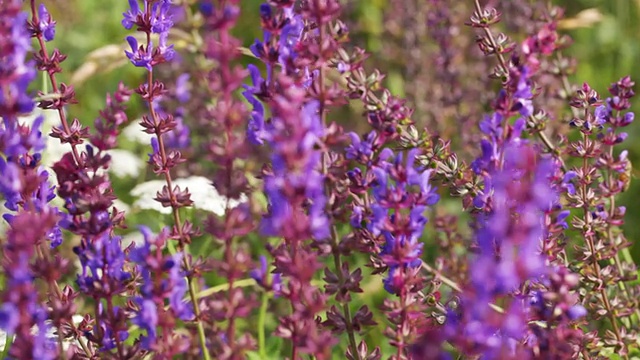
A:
x: 3, y: 339
x: 125, y: 163
x: 146, y: 192
x: 134, y: 132
x: 203, y: 194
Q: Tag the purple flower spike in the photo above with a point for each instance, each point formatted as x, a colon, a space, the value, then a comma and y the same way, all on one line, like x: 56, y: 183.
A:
x: 509, y: 256
x: 402, y: 194
x: 162, y: 281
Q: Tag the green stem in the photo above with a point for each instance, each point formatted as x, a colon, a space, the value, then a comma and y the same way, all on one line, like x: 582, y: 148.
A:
x: 45, y: 83
x: 201, y: 334
x: 262, y: 316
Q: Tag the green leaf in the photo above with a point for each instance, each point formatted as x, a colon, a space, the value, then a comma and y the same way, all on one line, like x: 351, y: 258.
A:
x: 252, y: 355
x: 172, y: 247
x: 274, y: 347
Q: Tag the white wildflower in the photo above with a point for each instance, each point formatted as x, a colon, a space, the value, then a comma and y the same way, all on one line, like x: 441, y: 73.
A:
x: 3, y: 339
x: 121, y: 206
x: 133, y: 132
x: 125, y: 163
x: 203, y: 194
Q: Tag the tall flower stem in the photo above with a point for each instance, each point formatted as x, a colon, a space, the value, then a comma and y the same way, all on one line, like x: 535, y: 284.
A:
x: 335, y: 239
x: 262, y: 317
x: 346, y: 311
x: 178, y: 222
x: 54, y: 83
x: 589, y: 239
x: 119, y: 347
x: 62, y: 95
x: 228, y: 165
x: 54, y: 287
x: 503, y: 64
x: 610, y: 234
x: 566, y: 86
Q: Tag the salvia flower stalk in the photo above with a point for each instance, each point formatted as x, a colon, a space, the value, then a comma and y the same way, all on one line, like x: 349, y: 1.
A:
x: 156, y: 17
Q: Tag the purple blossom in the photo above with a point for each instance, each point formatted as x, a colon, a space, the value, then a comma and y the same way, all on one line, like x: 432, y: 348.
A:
x: 566, y: 182
x: 602, y: 114
x: 206, y: 8
x: 16, y: 73
x: 9, y: 315
x: 160, y: 20
x: 147, y: 320
x: 23, y: 182
x: 495, y: 127
x: 493, y: 145
x: 289, y: 37
x: 13, y: 190
x: 577, y: 312
x: 509, y: 253
x: 519, y: 251
x: 256, y: 129
x: 162, y: 280
x: 523, y: 94
x: 130, y: 17
x: 109, y: 340
x: 361, y: 150
x: 138, y: 55
x: 627, y: 119
x: 103, y: 263
x: 165, y: 51
x: 47, y: 25
x: 10, y: 184
x: 21, y: 309
x: 265, y: 11
x: 296, y: 129
x: 20, y: 139
x: 261, y: 276
x: 357, y: 217
x: 182, y: 90
x: 398, y: 214
x: 161, y: 16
